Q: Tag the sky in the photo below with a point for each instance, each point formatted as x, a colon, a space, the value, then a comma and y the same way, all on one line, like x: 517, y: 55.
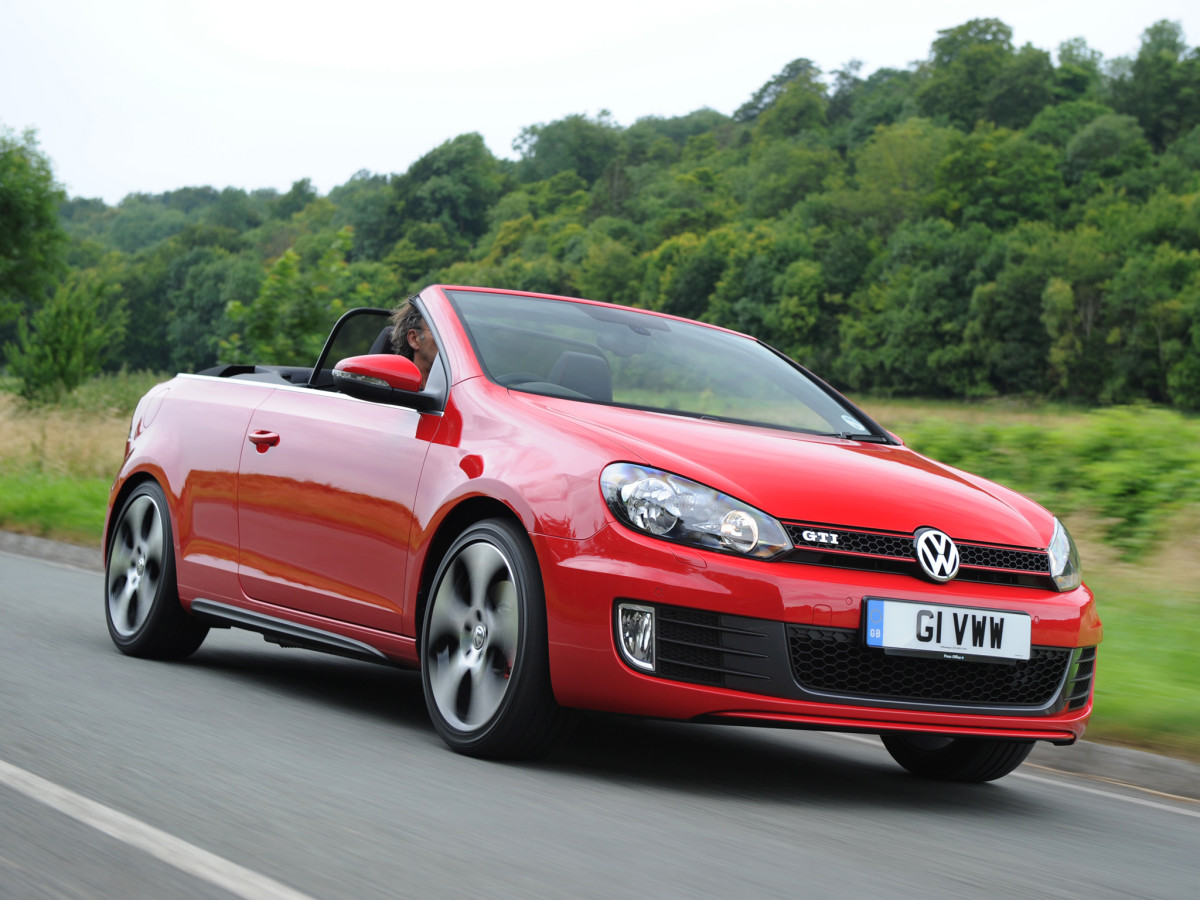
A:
x: 147, y: 96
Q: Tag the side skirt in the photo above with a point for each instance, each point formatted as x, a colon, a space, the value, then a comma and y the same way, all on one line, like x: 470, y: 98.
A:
x: 284, y: 633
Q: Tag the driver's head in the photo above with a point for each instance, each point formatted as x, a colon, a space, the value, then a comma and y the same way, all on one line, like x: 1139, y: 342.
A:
x: 412, y: 338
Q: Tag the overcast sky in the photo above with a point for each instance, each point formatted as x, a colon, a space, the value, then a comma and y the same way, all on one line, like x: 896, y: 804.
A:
x: 152, y: 95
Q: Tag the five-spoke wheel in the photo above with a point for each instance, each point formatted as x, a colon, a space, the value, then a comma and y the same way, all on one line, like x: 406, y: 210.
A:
x: 141, y: 600
x: 484, y: 659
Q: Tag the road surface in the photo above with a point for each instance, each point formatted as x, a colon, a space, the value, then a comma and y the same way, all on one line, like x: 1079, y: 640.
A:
x: 252, y: 771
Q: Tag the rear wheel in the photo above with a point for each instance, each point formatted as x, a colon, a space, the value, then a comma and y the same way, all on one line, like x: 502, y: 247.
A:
x: 954, y: 758
x: 142, y: 605
x: 484, y: 654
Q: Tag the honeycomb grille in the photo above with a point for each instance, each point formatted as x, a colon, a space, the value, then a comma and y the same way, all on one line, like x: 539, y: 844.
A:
x: 834, y: 661
x: 1004, y: 558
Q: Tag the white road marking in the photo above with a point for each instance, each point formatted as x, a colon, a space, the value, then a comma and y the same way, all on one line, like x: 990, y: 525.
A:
x: 237, y: 880
x: 1140, y: 801
x: 1193, y: 813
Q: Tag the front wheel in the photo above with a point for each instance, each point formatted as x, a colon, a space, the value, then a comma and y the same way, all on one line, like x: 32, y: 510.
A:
x: 484, y: 654
x: 954, y: 758
x: 141, y: 599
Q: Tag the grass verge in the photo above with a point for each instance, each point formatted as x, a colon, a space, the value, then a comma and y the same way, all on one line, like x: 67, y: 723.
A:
x: 1147, y: 668
x: 58, y: 507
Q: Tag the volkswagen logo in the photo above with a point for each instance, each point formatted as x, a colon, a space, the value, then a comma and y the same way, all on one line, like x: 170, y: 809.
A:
x: 937, y: 554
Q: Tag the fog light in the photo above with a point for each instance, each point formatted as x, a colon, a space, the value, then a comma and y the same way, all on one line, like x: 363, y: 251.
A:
x: 635, y: 635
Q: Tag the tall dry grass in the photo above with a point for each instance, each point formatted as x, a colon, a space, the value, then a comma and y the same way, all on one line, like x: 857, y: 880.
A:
x: 71, y: 443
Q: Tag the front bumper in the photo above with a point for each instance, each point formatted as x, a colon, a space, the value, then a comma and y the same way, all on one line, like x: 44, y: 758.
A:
x: 786, y: 635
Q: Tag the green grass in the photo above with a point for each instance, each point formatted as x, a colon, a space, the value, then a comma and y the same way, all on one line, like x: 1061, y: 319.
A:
x: 1147, y: 669
x: 54, y: 506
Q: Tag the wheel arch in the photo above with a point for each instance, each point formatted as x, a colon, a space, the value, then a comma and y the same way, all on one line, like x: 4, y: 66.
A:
x: 458, y: 519
x: 130, y: 485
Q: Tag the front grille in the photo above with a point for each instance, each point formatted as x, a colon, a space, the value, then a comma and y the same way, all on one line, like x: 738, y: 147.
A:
x: 833, y: 665
x: 835, y: 661
x: 872, y: 551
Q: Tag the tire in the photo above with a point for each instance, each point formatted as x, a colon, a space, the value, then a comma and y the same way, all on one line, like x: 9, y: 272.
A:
x: 141, y: 596
x: 956, y: 759
x: 484, y: 655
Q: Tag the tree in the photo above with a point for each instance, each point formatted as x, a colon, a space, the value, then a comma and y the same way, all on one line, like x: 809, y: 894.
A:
x: 1079, y: 74
x: 69, y: 337
x: 142, y: 221
x: 781, y: 173
x: 859, y: 106
x: 575, y: 143
x: 765, y: 97
x: 1056, y: 125
x: 1107, y: 147
x: 654, y: 139
x: 236, y: 209
x: 796, y: 320
x: 1151, y: 304
x: 903, y: 331
x: 1077, y: 267
x: 1162, y: 86
x: 287, y: 322
x: 609, y: 271
x: 799, y: 107
x: 897, y: 171
x: 365, y: 204
x: 695, y: 200
x: 454, y: 184
x: 966, y: 63
x: 757, y: 276
x: 299, y: 196
x: 682, y: 273
x: 1179, y: 166
x: 1000, y: 178
x: 1022, y: 88
x: 31, y: 238
x: 211, y: 278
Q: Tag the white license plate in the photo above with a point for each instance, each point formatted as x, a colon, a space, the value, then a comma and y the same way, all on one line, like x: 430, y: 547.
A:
x: 947, y: 632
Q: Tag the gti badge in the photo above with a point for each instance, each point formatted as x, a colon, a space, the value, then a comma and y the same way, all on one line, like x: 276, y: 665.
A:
x: 937, y: 554
x: 819, y: 537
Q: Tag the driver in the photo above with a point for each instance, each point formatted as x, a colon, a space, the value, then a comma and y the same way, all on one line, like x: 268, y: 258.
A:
x: 412, y: 338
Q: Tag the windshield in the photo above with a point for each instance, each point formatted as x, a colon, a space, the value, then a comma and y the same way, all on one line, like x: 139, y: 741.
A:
x: 622, y: 357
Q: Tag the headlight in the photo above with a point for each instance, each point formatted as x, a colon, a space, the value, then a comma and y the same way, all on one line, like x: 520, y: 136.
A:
x: 1064, y: 560
x: 678, y: 509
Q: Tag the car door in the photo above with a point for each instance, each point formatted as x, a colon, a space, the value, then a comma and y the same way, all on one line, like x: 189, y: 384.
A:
x: 325, y: 495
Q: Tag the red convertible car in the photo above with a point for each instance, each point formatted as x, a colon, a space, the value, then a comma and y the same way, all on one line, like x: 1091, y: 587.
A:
x: 584, y: 506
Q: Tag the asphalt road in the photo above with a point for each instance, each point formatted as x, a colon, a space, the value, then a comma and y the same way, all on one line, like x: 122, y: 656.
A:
x: 258, y: 772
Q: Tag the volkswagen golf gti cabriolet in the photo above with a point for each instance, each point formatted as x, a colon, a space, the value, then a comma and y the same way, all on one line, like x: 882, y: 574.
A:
x: 589, y: 507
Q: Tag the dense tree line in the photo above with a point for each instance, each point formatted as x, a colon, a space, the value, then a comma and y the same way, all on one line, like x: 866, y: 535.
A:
x: 987, y: 221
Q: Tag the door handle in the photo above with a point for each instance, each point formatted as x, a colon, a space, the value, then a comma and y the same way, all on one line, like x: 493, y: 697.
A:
x: 264, y: 440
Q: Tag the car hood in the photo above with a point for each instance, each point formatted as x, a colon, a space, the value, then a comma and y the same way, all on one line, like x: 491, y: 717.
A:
x: 826, y: 480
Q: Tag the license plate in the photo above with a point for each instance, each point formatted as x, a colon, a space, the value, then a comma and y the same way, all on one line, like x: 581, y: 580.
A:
x: 947, y: 632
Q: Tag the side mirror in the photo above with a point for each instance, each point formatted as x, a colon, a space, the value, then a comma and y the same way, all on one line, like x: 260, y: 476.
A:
x: 382, y: 377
